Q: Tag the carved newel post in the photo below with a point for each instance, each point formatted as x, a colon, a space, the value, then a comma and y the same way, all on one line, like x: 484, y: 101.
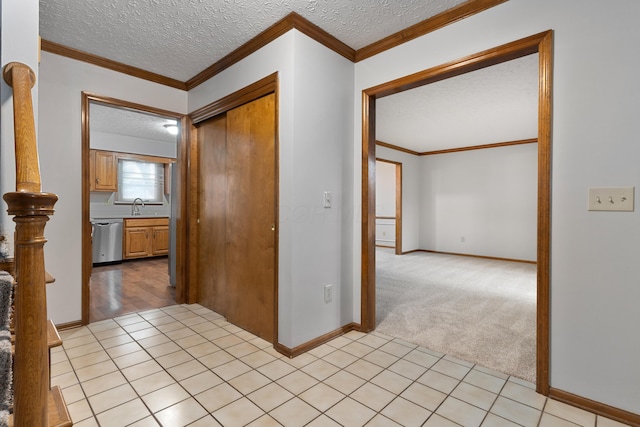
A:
x: 31, y: 209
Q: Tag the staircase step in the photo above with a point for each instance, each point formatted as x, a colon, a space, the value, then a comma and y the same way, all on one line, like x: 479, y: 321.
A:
x: 48, y: 278
x: 53, y: 338
x: 58, y: 413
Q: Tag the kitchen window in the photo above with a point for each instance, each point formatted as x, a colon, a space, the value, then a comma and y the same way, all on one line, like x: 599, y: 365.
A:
x: 141, y: 179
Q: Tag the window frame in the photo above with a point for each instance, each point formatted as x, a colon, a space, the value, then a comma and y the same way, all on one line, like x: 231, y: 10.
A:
x: 164, y: 161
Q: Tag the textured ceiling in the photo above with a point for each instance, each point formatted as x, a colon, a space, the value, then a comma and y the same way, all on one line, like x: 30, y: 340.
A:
x: 180, y: 38
x: 487, y: 106
x: 121, y: 121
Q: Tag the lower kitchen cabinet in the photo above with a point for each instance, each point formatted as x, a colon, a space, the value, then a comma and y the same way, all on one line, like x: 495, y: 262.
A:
x: 146, y: 237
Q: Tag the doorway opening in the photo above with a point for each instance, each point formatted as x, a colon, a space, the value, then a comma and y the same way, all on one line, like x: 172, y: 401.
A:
x: 541, y: 44
x: 389, y: 204
x: 130, y: 202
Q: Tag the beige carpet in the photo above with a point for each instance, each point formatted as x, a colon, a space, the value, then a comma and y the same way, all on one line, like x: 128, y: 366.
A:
x: 482, y: 311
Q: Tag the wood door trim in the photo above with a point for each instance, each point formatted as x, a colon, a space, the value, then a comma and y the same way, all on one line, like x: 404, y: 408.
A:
x: 86, y: 99
x: 249, y: 93
x: 398, y: 201
x: 539, y: 43
x: 262, y: 87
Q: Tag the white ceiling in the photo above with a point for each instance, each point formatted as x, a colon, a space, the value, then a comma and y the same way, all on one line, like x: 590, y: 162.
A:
x: 488, y: 106
x: 120, y: 121
x: 180, y: 38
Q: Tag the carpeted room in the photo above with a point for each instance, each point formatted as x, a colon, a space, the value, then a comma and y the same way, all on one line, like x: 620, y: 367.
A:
x: 462, y: 192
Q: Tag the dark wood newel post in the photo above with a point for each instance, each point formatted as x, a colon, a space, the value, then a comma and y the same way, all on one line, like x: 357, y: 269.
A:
x: 31, y: 364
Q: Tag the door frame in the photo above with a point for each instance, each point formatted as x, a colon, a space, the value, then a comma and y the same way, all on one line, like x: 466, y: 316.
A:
x: 87, y: 262
x: 542, y: 44
x: 260, y: 88
x: 398, y: 201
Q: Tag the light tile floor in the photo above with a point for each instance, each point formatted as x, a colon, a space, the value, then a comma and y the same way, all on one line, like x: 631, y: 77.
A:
x: 186, y: 365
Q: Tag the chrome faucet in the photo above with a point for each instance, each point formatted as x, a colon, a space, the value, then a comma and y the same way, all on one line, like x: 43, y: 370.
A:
x: 135, y: 209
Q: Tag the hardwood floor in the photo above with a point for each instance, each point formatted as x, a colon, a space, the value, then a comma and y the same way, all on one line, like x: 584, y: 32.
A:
x: 128, y: 287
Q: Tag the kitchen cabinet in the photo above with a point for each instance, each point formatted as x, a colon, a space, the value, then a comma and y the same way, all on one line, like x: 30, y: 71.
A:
x: 146, y: 237
x: 103, y: 171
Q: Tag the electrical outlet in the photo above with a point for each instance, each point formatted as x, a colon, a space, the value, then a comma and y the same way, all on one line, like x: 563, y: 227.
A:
x: 328, y: 293
x: 611, y: 199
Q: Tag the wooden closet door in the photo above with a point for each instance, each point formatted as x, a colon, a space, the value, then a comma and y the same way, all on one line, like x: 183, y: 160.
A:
x: 251, y: 216
x: 212, y: 212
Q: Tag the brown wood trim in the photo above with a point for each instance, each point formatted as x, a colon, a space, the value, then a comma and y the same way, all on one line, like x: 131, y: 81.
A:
x: 252, y: 92
x: 607, y: 411
x: 276, y: 191
x: 398, y: 208
x: 455, y: 150
x: 145, y: 158
x: 289, y: 22
x: 434, y: 23
x: 86, y: 99
x: 87, y: 254
x: 58, y: 49
x: 183, y: 286
x: 385, y: 246
x: 545, y: 119
x: 192, y: 190
x: 481, y: 147
x: 473, y: 256
x: 310, y: 345
x: 322, y: 37
x: 69, y: 325
x: 540, y: 43
x: 398, y: 217
x: 368, y: 228
x: 476, y: 61
x: 397, y: 148
x: 121, y: 103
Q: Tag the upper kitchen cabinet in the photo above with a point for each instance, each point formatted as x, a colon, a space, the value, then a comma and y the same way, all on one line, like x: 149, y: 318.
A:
x: 103, y: 171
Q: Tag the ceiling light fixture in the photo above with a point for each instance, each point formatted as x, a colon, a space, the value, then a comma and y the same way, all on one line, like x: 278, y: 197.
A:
x: 171, y: 128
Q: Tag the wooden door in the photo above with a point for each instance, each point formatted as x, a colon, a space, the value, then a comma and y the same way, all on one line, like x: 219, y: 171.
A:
x: 212, y: 190
x: 251, y: 216
x: 237, y: 215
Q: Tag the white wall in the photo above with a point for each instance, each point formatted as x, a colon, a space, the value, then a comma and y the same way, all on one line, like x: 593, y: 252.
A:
x: 385, y: 203
x: 594, y: 285
x: 132, y: 144
x: 315, y: 89
x: 18, y: 42
x: 481, y: 202
x: 410, y: 204
x: 61, y: 82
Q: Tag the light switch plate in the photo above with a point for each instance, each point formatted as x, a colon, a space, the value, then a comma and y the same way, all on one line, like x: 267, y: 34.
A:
x: 326, y: 199
x: 619, y: 199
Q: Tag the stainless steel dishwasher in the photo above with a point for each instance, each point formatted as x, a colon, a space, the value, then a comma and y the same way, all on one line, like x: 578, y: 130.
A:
x: 107, y: 240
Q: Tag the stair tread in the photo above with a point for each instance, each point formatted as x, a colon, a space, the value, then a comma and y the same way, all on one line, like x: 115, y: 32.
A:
x: 48, y: 278
x: 53, y: 338
x: 58, y: 413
